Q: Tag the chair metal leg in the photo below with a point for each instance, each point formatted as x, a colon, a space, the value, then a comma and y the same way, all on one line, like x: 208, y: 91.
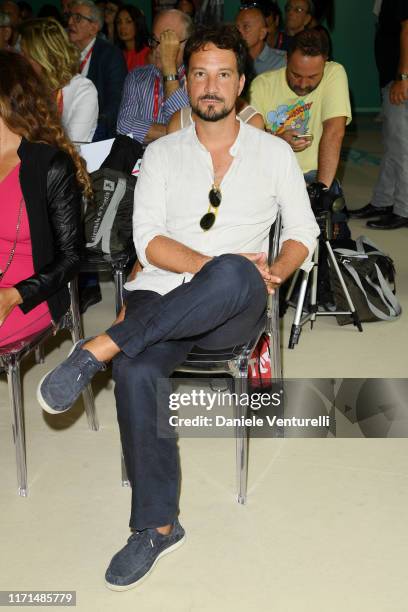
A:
x: 77, y: 331
x: 39, y: 354
x: 241, y: 433
x: 125, y: 479
x: 273, y: 331
x: 89, y: 403
x: 14, y: 386
x: 118, y: 280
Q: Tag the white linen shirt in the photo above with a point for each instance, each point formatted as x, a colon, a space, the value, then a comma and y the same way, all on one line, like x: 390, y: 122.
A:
x: 85, y: 68
x: 171, y: 196
x: 80, y: 109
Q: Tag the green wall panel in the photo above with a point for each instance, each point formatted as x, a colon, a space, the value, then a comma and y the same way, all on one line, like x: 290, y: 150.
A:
x: 353, y: 46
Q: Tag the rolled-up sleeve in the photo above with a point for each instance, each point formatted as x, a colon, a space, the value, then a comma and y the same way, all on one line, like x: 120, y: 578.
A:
x: 298, y: 220
x: 149, y: 213
x: 137, y: 109
x: 178, y: 99
x: 132, y: 118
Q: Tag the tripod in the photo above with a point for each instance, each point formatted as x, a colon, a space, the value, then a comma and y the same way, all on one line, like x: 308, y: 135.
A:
x: 325, y: 225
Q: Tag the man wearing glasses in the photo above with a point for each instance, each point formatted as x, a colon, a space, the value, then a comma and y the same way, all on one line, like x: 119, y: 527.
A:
x: 152, y: 94
x: 101, y: 62
x: 204, y: 203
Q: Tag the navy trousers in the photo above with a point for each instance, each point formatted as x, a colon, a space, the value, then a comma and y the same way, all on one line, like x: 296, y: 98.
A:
x: 222, y: 306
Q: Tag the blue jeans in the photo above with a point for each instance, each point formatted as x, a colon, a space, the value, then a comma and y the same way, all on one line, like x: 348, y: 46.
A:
x: 223, y: 305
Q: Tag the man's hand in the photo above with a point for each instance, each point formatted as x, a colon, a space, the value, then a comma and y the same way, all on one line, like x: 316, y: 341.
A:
x: 135, y: 270
x: 399, y: 92
x: 121, y: 316
x: 9, y: 298
x: 260, y: 260
x: 169, y: 49
x: 297, y: 144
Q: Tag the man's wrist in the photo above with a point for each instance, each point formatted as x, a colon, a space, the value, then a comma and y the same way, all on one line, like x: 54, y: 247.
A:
x: 169, y: 70
x: 205, y: 260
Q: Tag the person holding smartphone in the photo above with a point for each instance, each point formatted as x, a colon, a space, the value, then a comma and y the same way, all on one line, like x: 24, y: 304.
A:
x: 307, y: 104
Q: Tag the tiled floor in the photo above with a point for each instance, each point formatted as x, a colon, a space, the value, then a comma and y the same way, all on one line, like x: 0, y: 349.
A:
x: 325, y: 525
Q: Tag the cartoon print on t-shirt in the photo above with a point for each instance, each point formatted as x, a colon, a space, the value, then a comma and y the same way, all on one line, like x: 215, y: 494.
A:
x: 290, y: 116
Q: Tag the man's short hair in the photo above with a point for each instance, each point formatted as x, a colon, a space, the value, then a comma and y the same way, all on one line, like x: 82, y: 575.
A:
x: 311, y: 42
x: 96, y: 14
x: 4, y: 21
x: 254, y: 7
x: 184, y: 18
x: 223, y: 36
x: 268, y: 7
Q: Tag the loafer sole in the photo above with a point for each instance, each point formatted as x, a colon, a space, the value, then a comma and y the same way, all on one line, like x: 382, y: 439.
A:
x: 127, y: 587
x: 40, y: 397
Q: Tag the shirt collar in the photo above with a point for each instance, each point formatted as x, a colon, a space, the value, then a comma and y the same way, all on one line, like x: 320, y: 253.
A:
x: 235, y: 147
x: 87, y: 48
x: 263, y: 54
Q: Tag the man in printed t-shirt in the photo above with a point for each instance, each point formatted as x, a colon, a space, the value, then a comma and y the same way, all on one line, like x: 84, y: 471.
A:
x: 308, y: 98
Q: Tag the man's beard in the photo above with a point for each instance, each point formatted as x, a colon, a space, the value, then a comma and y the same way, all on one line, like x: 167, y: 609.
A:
x: 210, y: 114
x: 302, y: 92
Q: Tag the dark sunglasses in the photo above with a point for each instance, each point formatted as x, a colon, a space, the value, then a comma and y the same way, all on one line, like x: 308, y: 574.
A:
x: 153, y: 43
x: 208, y: 220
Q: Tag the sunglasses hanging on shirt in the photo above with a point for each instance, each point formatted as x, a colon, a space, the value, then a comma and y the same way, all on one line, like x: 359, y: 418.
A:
x: 215, y: 197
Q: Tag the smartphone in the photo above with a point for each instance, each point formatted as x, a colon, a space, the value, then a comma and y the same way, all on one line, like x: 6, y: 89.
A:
x: 303, y: 136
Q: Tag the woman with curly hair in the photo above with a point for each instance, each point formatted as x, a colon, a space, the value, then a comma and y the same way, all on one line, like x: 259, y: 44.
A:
x: 133, y: 36
x: 45, y: 44
x: 42, y: 180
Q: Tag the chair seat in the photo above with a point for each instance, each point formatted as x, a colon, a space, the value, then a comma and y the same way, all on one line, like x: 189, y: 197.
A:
x: 198, y: 354
x: 26, y: 344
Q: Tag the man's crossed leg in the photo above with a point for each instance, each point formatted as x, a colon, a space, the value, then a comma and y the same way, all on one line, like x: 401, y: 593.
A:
x: 222, y: 306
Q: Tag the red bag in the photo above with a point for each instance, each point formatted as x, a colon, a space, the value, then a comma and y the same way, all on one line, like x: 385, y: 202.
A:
x: 259, y: 366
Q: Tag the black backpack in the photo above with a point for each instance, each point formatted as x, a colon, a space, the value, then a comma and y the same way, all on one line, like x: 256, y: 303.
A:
x: 369, y: 275
x: 108, y: 218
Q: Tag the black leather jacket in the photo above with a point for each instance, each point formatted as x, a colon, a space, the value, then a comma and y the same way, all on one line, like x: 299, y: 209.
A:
x: 53, y: 202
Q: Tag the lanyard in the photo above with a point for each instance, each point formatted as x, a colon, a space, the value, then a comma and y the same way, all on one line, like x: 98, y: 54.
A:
x: 86, y: 58
x: 156, y: 99
x: 156, y: 91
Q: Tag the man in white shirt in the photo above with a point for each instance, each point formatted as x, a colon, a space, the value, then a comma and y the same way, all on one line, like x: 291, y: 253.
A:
x: 204, y: 203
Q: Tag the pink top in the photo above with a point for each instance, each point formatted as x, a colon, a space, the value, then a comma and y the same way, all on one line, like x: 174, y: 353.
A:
x: 17, y: 325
